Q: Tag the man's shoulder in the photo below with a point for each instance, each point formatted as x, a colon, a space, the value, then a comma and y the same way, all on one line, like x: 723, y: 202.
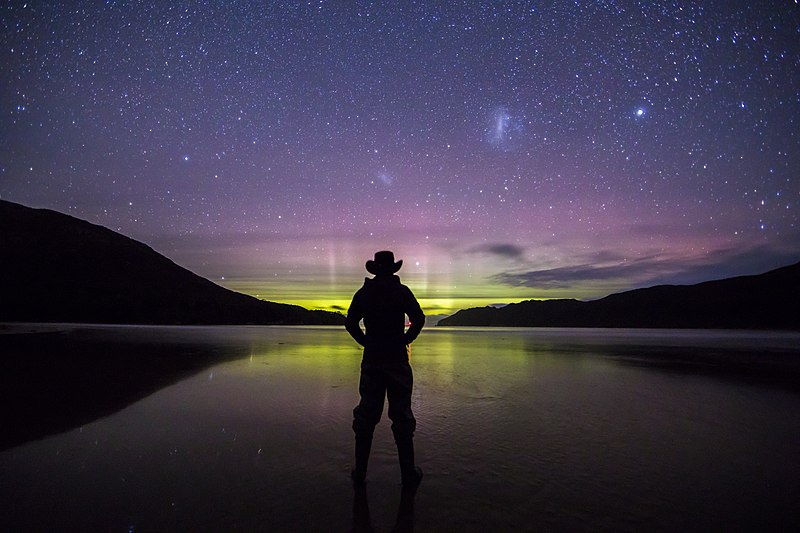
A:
x: 406, y: 289
x: 364, y: 286
x: 408, y: 294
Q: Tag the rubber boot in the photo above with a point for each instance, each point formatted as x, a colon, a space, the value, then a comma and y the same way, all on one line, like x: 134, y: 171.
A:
x: 363, y: 446
x: 410, y: 473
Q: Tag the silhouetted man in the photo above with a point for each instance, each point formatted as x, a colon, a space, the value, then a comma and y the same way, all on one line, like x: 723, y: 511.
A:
x: 383, y: 302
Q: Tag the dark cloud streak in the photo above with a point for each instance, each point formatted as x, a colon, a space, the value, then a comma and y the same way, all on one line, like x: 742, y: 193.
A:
x: 509, y: 251
x: 656, y: 270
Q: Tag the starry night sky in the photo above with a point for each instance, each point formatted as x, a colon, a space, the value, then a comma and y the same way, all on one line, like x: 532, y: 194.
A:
x: 504, y: 150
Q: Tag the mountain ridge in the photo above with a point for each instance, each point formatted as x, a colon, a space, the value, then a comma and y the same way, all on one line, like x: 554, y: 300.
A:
x: 59, y: 268
x: 760, y: 301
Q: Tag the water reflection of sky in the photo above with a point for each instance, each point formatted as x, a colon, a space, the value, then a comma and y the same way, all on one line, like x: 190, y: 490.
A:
x: 517, y: 428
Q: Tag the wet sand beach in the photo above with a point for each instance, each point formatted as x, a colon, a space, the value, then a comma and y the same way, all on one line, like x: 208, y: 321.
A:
x: 248, y: 428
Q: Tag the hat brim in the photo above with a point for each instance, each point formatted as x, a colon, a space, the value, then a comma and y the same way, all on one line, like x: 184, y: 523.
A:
x: 379, y: 268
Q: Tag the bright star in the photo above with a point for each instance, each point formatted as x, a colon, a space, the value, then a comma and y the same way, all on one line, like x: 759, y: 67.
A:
x: 639, y: 112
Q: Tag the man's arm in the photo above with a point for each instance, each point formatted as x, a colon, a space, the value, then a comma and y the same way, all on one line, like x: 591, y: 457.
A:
x: 415, y: 315
x: 354, y: 316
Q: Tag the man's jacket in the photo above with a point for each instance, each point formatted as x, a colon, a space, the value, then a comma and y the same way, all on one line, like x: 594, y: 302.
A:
x: 383, y: 302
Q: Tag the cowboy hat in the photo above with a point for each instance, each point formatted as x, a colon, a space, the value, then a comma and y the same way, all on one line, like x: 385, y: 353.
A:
x: 383, y: 263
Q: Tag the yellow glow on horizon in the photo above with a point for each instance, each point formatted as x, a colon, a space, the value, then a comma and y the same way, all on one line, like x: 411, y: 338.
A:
x: 430, y: 306
x: 438, y: 297
x: 333, y: 304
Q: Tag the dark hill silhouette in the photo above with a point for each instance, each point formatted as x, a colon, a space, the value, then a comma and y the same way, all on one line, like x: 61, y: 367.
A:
x: 57, y: 268
x: 764, y: 301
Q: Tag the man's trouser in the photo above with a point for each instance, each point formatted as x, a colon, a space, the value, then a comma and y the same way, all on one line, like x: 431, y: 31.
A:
x: 377, y: 383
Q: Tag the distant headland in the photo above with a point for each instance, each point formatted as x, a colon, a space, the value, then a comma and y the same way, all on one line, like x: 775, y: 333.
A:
x: 764, y: 301
x: 58, y: 268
